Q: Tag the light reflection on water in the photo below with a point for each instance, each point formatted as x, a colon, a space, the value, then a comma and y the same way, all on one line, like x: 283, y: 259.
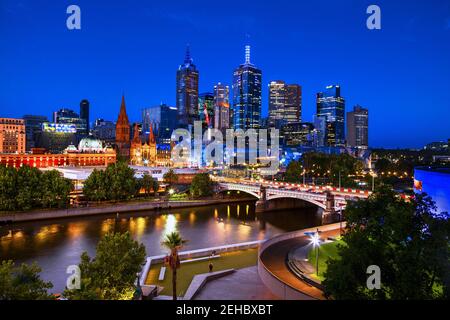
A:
x: 56, y: 244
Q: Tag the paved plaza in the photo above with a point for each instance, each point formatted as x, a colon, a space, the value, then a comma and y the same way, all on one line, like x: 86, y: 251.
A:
x: 244, y: 284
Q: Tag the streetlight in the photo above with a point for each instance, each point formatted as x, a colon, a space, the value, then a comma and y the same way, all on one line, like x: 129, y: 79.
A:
x: 315, y: 241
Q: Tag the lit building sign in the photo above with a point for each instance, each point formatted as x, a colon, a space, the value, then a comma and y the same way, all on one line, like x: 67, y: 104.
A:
x: 59, y: 127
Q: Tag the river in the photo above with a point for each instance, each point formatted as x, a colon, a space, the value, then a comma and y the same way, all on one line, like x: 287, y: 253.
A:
x: 56, y: 244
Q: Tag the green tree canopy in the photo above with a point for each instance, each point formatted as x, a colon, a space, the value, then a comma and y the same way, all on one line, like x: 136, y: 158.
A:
x: 111, y: 274
x: 201, y: 185
x: 170, y: 177
x: 149, y: 184
x: 409, y: 241
x: 294, y: 172
x: 29, y: 188
x: 23, y: 282
x: 116, y: 182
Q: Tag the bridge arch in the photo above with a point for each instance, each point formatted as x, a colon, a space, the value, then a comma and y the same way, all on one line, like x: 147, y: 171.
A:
x: 312, y: 201
x: 249, y: 191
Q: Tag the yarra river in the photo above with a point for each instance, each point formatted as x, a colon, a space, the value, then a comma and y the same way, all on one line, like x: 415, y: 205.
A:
x: 56, y: 244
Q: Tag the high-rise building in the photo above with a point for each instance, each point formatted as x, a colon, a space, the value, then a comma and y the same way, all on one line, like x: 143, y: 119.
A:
x: 221, y: 106
x: 293, y: 103
x: 277, y: 100
x: 331, y: 106
x: 298, y: 134
x: 104, y: 130
x: 187, y: 91
x: 123, y: 131
x: 162, y: 119
x: 284, y: 103
x: 206, y: 109
x: 358, y: 127
x: 84, y: 113
x: 247, y: 95
x: 33, y: 127
x: 12, y: 135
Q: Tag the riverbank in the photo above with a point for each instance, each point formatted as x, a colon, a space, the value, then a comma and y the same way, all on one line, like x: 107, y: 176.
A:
x: 132, y: 206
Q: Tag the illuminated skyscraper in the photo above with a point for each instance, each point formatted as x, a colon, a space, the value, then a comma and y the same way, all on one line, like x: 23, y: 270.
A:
x: 284, y: 103
x: 331, y: 106
x: 221, y: 106
x: 187, y: 91
x: 277, y: 99
x: 206, y: 109
x: 358, y: 127
x: 247, y: 95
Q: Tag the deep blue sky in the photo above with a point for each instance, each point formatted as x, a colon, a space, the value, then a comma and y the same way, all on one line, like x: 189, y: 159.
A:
x: 401, y: 73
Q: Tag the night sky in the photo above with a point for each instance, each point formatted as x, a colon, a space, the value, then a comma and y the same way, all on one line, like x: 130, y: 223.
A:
x: 400, y: 73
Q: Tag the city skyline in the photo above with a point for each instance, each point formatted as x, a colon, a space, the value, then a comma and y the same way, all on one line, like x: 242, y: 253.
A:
x: 383, y: 83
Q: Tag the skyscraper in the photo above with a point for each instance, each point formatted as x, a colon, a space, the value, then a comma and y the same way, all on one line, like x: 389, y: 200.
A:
x: 247, y: 95
x: 293, y: 104
x: 84, y: 113
x: 277, y: 99
x: 284, y: 103
x: 221, y: 106
x: 358, y: 127
x: 206, y: 109
x: 123, y: 131
x: 162, y: 120
x: 187, y: 91
x: 331, y: 106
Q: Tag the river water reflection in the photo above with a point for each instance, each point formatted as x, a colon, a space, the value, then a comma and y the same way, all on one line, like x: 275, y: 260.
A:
x: 56, y: 244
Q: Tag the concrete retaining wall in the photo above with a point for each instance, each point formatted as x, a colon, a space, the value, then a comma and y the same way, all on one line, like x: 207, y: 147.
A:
x: 106, y: 209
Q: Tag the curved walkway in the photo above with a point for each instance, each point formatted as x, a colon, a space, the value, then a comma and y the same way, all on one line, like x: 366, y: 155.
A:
x: 274, y: 260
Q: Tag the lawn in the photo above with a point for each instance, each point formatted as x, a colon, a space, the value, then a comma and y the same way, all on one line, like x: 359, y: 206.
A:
x: 326, y: 251
x: 231, y: 260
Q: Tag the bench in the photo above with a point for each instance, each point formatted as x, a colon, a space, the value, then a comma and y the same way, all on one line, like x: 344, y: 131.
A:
x: 162, y: 272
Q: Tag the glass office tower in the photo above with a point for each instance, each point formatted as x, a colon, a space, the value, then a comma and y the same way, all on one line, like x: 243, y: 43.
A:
x: 284, y: 103
x: 358, y: 127
x: 331, y: 106
x: 187, y: 91
x: 247, y: 95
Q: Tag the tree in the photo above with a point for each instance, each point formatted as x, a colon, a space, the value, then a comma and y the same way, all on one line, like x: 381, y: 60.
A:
x: 170, y: 177
x: 23, y: 282
x: 112, y: 273
x: 294, y: 171
x: 55, y: 190
x: 201, y: 185
x: 27, y: 188
x: 409, y: 241
x: 116, y: 182
x: 148, y: 183
x: 173, y: 241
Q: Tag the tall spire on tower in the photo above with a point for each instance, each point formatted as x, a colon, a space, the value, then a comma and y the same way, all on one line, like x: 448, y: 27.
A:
x: 187, y: 58
x: 123, y: 117
x: 247, y: 54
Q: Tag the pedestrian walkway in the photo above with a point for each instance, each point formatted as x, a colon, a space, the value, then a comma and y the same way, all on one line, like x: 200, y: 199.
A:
x: 244, y: 284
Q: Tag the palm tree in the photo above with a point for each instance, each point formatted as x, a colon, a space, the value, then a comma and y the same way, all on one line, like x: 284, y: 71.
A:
x: 173, y: 241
